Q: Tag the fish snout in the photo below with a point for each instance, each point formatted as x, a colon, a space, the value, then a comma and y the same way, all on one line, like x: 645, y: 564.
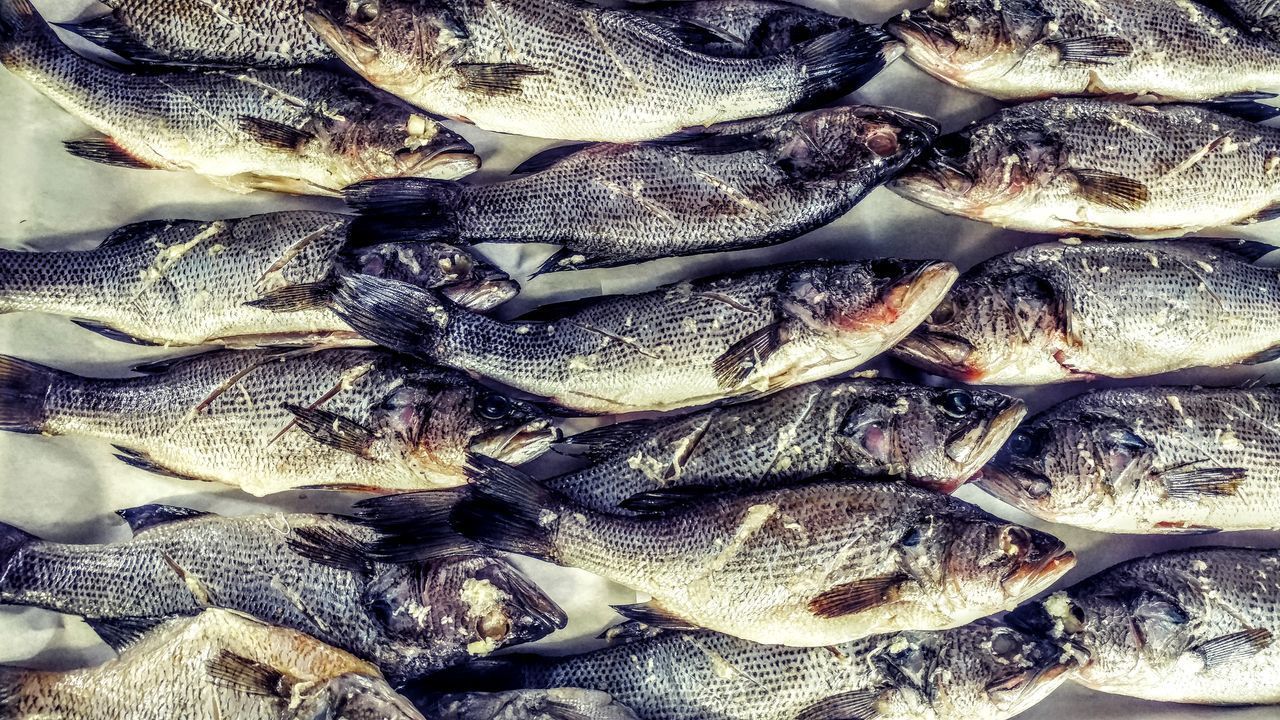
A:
x: 919, y: 32
x: 923, y: 287
x: 940, y: 353
x: 1040, y: 565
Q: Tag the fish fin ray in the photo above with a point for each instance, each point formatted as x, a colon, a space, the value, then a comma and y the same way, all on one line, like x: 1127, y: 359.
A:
x: 121, y: 632
x: 146, y: 517
x: 296, y: 297
x: 24, y: 390
x: 329, y: 428
x: 413, y: 526
x: 1190, y: 484
x: 1111, y: 190
x: 603, y: 442
x: 405, y: 196
x: 742, y: 358
x: 330, y: 547
x: 1235, y: 646
x: 164, y: 365
x: 1091, y: 49
x: 654, y: 615
x: 1245, y: 106
x: 558, y: 261
x: 106, y: 151
x: 395, y: 314
x: 1266, y: 356
x: 142, y: 461
x: 854, y: 597
x: 704, y: 141
x: 1266, y: 214
x: 841, y: 61
x: 560, y: 711
x: 111, y: 333
x: 238, y: 672
x: 1248, y: 250
x: 853, y: 705
x: 549, y: 157
x: 506, y: 509
x: 663, y: 500
x: 274, y: 134
x: 628, y: 632
x: 109, y: 32
x: 132, y: 232
x: 496, y: 78
x: 12, y: 539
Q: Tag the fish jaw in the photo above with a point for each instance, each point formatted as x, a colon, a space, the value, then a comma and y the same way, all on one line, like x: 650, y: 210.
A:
x: 994, y: 434
x: 941, y: 354
x: 1029, y: 579
x: 482, y: 294
x: 905, y: 303
x: 516, y: 446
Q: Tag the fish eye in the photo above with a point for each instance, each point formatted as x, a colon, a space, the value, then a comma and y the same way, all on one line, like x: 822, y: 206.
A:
x: 957, y: 403
x: 1025, y: 443
x: 887, y: 269
x: 955, y: 145
x: 911, y: 539
x: 1015, y: 540
x: 492, y: 406
x: 494, y: 626
x: 943, y: 314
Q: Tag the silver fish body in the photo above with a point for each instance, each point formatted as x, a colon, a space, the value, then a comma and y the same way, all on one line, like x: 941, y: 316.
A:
x: 298, y: 571
x: 681, y: 345
x: 1191, y: 626
x: 219, y: 664
x: 1058, y: 312
x: 731, y: 186
x: 1099, y: 167
x: 190, y: 282
x: 1148, y: 460
x: 551, y: 704
x: 305, y: 130
x: 267, y: 422
x: 578, y: 71
x: 935, y: 438
x: 1162, y: 50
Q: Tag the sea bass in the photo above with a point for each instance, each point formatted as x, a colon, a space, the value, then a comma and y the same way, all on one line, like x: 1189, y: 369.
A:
x: 306, y: 131
x: 1148, y: 460
x: 1098, y: 167
x: 1058, y: 312
x: 982, y: 670
x: 932, y: 437
x: 803, y: 565
x: 1161, y: 50
x: 552, y: 704
x: 577, y: 71
x: 729, y: 187
x: 741, y: 28
x: 298, y: 571
x: 1190, y: 626
x: 744, y: 333
x: 219, y: 664
x: 267, y: 421
x: 191, y: 282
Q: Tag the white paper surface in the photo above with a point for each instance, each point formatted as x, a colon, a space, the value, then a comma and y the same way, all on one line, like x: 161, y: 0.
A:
x: 65, y: 489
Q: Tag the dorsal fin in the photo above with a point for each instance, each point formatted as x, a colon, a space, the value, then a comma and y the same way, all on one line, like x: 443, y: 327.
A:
x: 1247, y: 250
x: 131, y: 232
x: 545, y: 159
x: 145, y: 517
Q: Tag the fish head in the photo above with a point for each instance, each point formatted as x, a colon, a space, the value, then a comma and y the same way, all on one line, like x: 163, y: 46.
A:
x: 957, y: 39
x: 982, y: 560
x: 352, y: 696
x: 372, y: 135
x: 933, y: 437
x: 850, y: 142
x: 465, y: 278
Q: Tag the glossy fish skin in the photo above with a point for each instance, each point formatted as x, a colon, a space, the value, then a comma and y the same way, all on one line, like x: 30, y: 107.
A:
x: 293, y: 570
x: 1099, y: 167
x: 305, y: 131
x: 577, y: 71
x: 935, y: 438
x: 731, y: 186
x: 691, y: 343
x: 982, y: 670
x: 1148, y: 460
x: 1190, y: 626
x: 267, y: 422
x: 191, y: 282
x: 744, y: 28
x: 1058, y: 312
x: 552, y: 704
x: 1162, y: 50
x: 217, y: 664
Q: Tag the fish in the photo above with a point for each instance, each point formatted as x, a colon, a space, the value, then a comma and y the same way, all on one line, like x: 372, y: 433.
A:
x: 1196, y: 625
x: 1148, y: 460
x: 304, y: 131
x: 573, y: 70
x: 981, y: 670
x: 216, y: 664
x: 266, y: 422
x: 193, y: 282
x: 731, y: 186
x: 296, y: 570
x: 1259, y: 16
x: 1159, y: 50
x: 935, y: 438
x: 805, y: 565
x: 551, y: 704
x: 735, y: 335
x: 1098, y: 167
x: 742, y: 28
x: 1066, y: 311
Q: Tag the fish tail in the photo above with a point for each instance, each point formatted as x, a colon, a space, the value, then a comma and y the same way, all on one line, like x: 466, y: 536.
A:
x: 21, y: 25
x: 406, y: 196
x: 839, y: 62
x: 395, y: 314
x: 508, y: 510
x: 12, y: 540
x: 12, y: 680
x: 24, y: 389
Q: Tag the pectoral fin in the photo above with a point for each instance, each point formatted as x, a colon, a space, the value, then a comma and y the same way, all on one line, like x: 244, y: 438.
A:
x: 737, y: 363
x: 237, y: 672
x: 1092, y: 49
x: 1111, y: 190
x: 855, y: 597
x: 1188, y: 484
x: 1235, y: 646
x: 332, y: 429
x: 496, y: 78
x: 855, y: 705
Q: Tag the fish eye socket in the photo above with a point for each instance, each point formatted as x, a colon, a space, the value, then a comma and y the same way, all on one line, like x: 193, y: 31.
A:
x: 494, y: 626
x: 911, y: 539
x: 1025, y: 443
x: 1077, y: 612
x: 492, y: 406
x: 957, y: 403
x: 1037, y: 489
x: 363, y: 12
x: 887, y: 269
x: 954, y: 146
x: 943, y: 314
x: 1014, y: 541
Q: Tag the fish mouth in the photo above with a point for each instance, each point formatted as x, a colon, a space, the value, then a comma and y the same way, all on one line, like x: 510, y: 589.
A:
x: 484, y: 294
x: 940, y: 353
x: 917, y: 30
x: 1029, y: 578
x: 972, y: 453
x: 897, y: 133
x: 925, y: 287
x: 1001, y: 482
x: 539, y: 614
x: 449, y: 163
x: 517, y: 445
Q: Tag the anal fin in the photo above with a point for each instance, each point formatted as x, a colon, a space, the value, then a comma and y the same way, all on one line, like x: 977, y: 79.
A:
x: 121, y: 632
x: 142, y: 461
x: 106, y: 151
x: 109, y: 332
x: 853, y: 705
x: 654, y: 615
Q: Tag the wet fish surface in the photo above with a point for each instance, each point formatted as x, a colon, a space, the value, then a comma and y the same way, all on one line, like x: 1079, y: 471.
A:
x: 932, y: 437
x: 1148, y: 460
x: 219, y: 664
x: 299, y: 571
x: 1100, y: 167
x: 742, y: 28
x: 728, y: 187
x: 694, y: 342
x: 1191, y: 626
x: 305, y: 131
x: 551, y: 704
x: 982, y: 670
x: 192, y: 282
x: 577, y: 71
x: 1057, y: 312
x: 1161, y: 50
x: 805, y: 565
x: 267, y: 422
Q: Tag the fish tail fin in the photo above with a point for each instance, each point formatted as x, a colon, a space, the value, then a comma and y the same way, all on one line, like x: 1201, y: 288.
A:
x: 11, y: 681
x: 21, y: 25
x: 24, y: 389
x: 12, y: 540
x: 507, y: 509
x: 392, y: 313
x: 405, y: 196
x: 839, y: 62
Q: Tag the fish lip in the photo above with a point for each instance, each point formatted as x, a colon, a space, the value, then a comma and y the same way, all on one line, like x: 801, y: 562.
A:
x: 517, y: 445
x: 1030, y: 578
x: 429, y: 166
x: 543, y: 614
x: 997, y: 480
x: 932, y: 279
x: 997, y: 431
x: 913, y: 33
x: 918, y: 349
x: 482, y: 294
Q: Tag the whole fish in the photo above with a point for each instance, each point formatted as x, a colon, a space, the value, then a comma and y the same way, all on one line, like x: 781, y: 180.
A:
x: 1192, y: 626
x: 1148, y: 460
x: 932, y: 437
x: 1161, y: 50
x: 731, y: 186
x: 267, y: 422
x: 741, y: 28
x: 802, y: 565
x: 577, y: 71
x: 299, y: 571
x: 982, y: 670
x: 1066, y: 311
x: 1100, y: 167
x: 219, y: 664
x: 306, y: 131
x: 552, y: 704
x: 191, y: 282
x: 745, y: 333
